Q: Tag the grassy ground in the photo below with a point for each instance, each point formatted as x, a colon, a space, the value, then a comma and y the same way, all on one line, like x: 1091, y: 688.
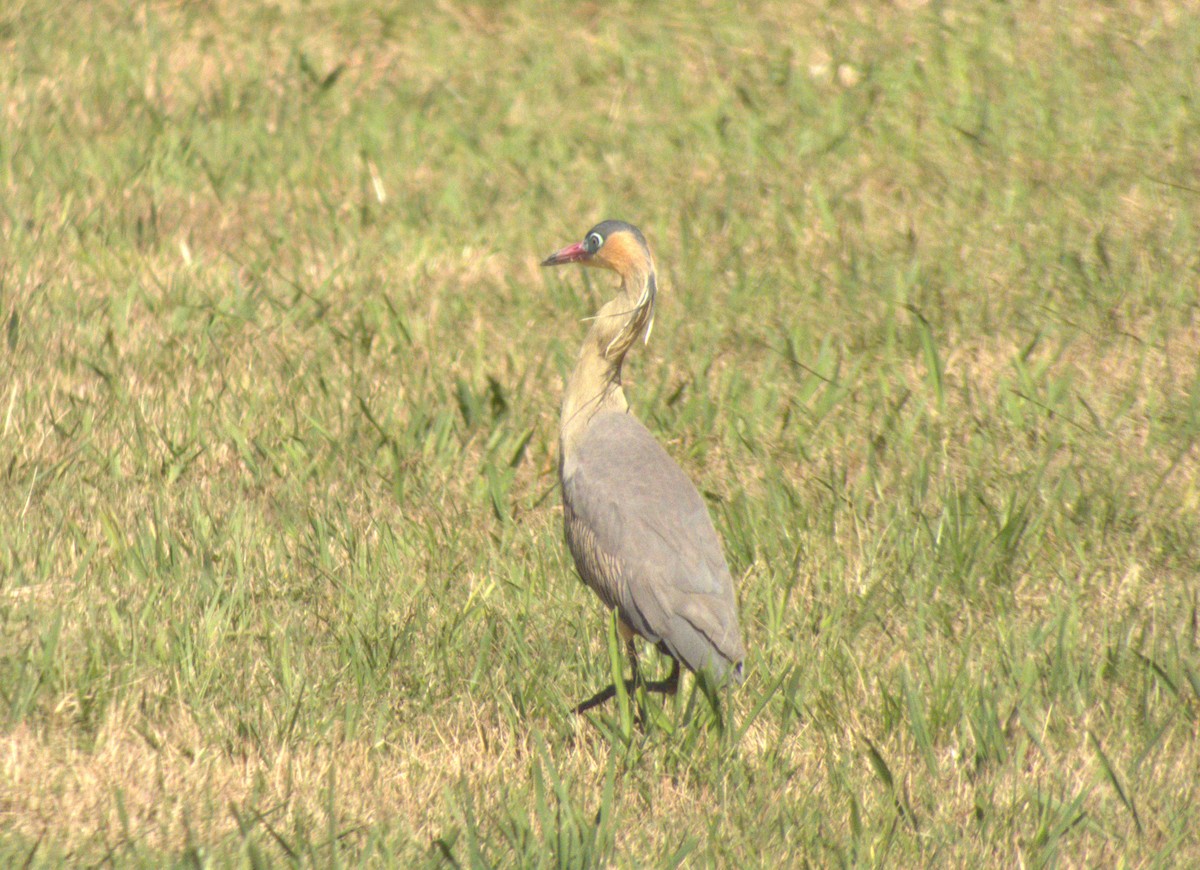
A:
x: 281, y: 570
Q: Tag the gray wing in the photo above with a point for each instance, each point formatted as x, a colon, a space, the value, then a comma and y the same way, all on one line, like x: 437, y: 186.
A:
x: 642, y: 538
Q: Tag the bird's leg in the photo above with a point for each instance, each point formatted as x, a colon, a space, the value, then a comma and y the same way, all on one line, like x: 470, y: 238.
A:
x: 631, y: 651
x: 606, y: 694
x: 631, y: 685
x: 597, y: 699
x: 637, y: 686
x: 672, y: 682
x: 670, y: 685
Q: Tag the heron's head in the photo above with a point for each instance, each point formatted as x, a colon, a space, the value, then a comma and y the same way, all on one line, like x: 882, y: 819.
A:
x: 613, y: 245
x: 621, y: 248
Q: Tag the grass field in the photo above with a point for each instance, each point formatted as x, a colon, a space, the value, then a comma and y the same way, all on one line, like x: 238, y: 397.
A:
x: 282, y: 576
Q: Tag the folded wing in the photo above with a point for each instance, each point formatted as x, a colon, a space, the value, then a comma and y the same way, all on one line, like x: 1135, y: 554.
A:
x: 642, y: 538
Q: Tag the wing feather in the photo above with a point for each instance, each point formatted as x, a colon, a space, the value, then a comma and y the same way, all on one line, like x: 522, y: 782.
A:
x: 642, y: 538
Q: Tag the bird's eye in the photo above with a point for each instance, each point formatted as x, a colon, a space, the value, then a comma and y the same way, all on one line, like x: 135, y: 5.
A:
x: 593, y: 242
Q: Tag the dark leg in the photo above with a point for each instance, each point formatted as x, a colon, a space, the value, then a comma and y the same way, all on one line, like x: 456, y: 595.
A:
x: 611, y: 690
x: 600, y: 697
x: 669, y: 686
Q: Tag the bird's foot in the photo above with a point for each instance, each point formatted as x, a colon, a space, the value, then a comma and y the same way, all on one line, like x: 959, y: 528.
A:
x: 669, y: 686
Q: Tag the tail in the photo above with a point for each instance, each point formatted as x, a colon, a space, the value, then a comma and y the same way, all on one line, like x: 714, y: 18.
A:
x: 687, y: 643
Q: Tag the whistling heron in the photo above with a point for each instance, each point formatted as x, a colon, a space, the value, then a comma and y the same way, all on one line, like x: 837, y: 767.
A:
x: 637, y: 528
